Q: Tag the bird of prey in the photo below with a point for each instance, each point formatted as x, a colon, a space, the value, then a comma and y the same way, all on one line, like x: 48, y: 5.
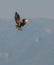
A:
x: 20, y: 22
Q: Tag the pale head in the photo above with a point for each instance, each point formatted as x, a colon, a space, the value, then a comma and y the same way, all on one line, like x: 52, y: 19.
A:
x: 26, y: 21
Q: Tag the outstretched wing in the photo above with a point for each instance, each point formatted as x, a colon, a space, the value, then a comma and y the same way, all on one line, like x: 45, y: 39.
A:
x: 17, y: 16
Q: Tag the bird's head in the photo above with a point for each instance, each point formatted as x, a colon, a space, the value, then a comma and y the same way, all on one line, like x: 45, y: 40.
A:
x: 26, y: 21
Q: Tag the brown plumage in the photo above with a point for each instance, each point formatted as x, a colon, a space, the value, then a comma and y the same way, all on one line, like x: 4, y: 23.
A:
x: 20, y: 22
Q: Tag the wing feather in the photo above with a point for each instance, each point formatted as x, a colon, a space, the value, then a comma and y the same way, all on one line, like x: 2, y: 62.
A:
x: 17, y: 17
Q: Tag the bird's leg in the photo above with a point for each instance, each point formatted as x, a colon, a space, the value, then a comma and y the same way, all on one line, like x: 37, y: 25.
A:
x: 19, y: 28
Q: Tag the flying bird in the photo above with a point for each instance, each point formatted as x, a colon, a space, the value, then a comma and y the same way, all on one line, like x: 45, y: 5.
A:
x: 20, y: 22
